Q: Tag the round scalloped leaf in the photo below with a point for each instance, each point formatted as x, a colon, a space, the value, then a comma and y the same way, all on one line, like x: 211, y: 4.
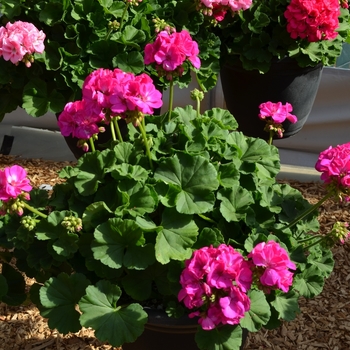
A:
x: 59, y: 297
x: 112, y: 323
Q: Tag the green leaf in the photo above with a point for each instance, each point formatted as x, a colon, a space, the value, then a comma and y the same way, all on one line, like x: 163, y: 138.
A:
x: 234, y: 203
x: 112, y: 323
x: 93, y: 167
x: 325, y: 262
x: 59, y: 296
x: 227, y: 337
x: 310, y: 282
x: 130, y: 62
x: 286, y: 304
x: 35, y: 97
x: 178, y: 234
x: 196, y: 178
x: 120, y: 243
x: 259, y: 313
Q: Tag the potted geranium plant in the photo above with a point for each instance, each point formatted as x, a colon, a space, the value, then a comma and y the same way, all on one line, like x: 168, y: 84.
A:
x: 183, y: 215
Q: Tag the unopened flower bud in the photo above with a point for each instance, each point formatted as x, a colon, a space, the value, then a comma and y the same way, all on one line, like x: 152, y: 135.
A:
x: 197, y: 95
x: 72, y: 223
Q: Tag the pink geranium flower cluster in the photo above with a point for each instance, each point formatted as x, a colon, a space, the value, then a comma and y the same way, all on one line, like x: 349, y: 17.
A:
x: 313, y: 20
x: 170, y: 50
x: 334, y: 164
x: 275, y: 114
x: 272, y: 266
x: 216, y: 280
x: 106, y: 94
x: 219, y: 8
x: 14, y: 185
x: 19, y: 41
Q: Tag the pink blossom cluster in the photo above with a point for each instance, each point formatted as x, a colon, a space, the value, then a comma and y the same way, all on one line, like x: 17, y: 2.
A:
x: 107, y: 93
x: 278, y: 112
x: 19, y: 41
x: 217, y: 280
x: 14, y: 186
x: 218, y: 8
x: 334, y: 164
x: 313, y: 20
x: 170, y: 50
x: 275, y: 114
x: 272, y: 266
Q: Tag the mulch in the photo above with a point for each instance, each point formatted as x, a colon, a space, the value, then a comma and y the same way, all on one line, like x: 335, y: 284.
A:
x: 324, y: 322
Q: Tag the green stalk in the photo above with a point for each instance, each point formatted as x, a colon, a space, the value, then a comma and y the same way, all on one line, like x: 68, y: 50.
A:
x: 171, y: 98
x: 116, y: 125
x: 123, y: 15
x: 200, y: 84
x: 309, y: 238
x: 33, y: 210
x: 111, y: 125
x: 271, y: 137
x: 315, y: 243
x: 198, y: 107
x: 92, y: 145
x: 310, y: 210
x: 144, y: 136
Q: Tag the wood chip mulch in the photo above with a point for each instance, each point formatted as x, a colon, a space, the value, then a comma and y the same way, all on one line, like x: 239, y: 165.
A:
x: 324, y: 322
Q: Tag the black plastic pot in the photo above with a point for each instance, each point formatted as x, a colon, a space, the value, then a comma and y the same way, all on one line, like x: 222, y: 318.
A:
x: 165, y: 333
x: 285, y: 82
x: 102, y: 139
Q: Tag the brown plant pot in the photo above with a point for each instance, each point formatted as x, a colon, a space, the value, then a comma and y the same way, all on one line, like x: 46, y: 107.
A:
x: 165, y: 333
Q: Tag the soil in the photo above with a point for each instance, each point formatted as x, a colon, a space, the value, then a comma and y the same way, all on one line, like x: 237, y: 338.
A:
x: 324, y: 322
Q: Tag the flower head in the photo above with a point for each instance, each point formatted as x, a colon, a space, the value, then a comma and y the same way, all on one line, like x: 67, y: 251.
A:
x: 19, y: 40
x: 313, y: 20
x: 170, y: 50
x: 334, y: 163
x: 273, y: 265
x: 217, y: 280
x: 13, y: 181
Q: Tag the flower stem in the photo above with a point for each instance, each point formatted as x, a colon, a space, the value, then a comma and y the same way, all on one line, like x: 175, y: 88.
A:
x: 112, y: 127
x: 92, y: 145
x: 33, y: 210
x: 315, y: 243
x: 310, y: 210
x: 200, y: 84
x: 117, y: 129
x: 171, y: 98
x: 144, y: 136
x: 123, y: 15
x: 198, y: 107
x: 271, y: 137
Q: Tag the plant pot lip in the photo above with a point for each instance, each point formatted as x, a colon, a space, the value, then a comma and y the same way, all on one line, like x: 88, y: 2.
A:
x: 160, y: 317
x: 285, y: 63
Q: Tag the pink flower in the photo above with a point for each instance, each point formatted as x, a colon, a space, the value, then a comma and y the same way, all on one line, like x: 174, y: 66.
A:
x: 217, y: 280
x: 278, y: 112
x: 275, y: 263
x: 13, y: 180
x: 98, y: 87
x: 313, y: 20
x: 170, y: 50
x: 78, y: 119
x: 20, y: 39
x: 219, y: 8
x: 334, y: 163
x: 134, y: 93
